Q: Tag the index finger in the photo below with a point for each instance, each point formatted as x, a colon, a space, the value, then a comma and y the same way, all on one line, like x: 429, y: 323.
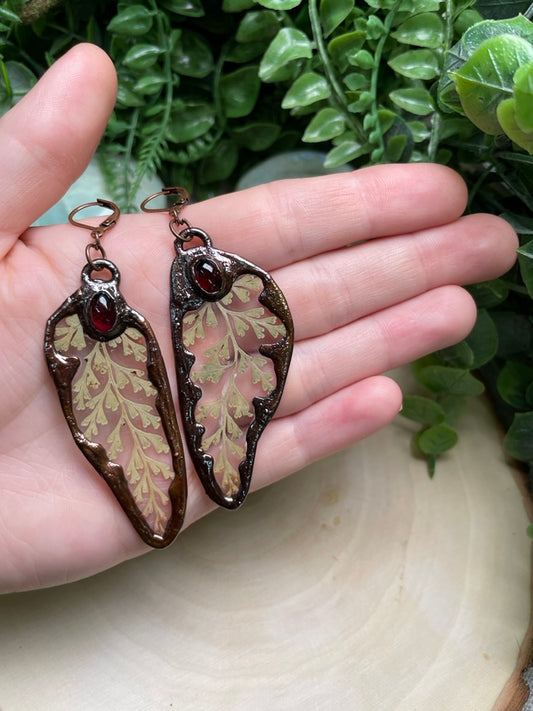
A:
x: 281, y: 222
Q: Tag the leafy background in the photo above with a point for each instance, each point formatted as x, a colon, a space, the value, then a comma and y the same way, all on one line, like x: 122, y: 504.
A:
x: 209, y: 89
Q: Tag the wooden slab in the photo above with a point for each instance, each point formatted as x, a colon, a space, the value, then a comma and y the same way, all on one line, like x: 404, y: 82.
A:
x: 358, y: 583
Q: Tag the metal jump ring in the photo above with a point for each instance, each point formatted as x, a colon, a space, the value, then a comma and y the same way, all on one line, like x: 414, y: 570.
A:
x: 182, y: 233
x: 97, y: 247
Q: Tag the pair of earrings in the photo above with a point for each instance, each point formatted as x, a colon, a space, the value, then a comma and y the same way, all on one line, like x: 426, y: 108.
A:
x: 232, y: 336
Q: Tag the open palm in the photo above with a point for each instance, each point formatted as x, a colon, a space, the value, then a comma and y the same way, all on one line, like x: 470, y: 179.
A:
x: 358, y: 310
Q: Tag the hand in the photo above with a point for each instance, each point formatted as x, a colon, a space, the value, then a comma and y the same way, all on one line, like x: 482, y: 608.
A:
x: 358, y: 310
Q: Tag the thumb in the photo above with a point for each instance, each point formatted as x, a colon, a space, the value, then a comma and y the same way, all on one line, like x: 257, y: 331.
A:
x: 48, y: 138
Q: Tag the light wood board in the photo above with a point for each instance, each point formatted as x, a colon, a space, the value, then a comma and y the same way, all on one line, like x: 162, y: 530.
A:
x: 358, y: 583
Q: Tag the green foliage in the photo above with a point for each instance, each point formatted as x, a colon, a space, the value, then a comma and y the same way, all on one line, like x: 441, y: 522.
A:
x: 207, y: 89
x: 434, y: 441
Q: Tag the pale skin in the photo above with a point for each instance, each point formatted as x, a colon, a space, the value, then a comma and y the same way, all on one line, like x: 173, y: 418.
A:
x: 358, y: 311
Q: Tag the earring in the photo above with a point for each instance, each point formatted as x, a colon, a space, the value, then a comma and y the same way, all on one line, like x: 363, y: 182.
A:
x: 233, y: 335
x: 114, y: 391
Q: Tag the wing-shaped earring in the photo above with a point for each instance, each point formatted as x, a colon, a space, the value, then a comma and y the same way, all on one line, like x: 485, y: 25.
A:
x: 114, y: 391
x: 233, y: 336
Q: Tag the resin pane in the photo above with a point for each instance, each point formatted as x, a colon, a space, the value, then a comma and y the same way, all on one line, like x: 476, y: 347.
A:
x: 114, y: 405
x: 225, y: 337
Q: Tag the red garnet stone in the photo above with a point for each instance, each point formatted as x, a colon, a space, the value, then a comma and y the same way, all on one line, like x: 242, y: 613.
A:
x: 207, y: 276
x: 102, y: 312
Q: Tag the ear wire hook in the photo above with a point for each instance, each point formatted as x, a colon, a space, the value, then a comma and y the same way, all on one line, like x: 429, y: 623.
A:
x: 174, y: 211
x: 96, y: 232
x: 181, y: 193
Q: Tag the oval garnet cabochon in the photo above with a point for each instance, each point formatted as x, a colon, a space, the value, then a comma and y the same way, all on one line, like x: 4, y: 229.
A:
x: 207, y: 275
x: 102, y: 312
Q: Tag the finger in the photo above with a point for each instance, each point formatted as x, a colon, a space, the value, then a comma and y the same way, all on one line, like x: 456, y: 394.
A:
x: 316, y: 215
x: 330, y: 290
x: 337, y: 421
x: 48, y: 138
x: 285, y: 221
x: 376, y: 344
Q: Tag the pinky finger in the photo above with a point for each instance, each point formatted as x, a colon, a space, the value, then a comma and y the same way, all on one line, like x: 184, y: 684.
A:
x: 349, y: 415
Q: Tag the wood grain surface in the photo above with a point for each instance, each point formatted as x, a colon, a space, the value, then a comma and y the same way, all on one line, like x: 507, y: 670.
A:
x: 358, y: 583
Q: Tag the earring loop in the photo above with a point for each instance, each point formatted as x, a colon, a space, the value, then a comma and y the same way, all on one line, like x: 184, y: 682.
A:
x: 96, y: 232
x: 106, y: 224
x: 181, y: 193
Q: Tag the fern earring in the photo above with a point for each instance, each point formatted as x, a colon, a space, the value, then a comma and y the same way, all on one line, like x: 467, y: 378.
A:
x: 113, y: 388
x: 233, y: 335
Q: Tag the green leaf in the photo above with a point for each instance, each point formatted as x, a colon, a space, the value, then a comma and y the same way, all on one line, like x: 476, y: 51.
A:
x: 423, y: 30
x: 397, y: 137
x: 363, y: 101
x: 126, y: 97
x: 257, y: 135
x: 505, y: 8
x: 220, y: 163
x: 416, y: 101
x: 239, y: 91
x: 189, y: 8
x: 149, y: 84
x: 333, y: 13
x: 513, y: 382
x: 355, y: 81
x: 456, y: 127
x: 519, y: 438
x: 133, y: 21
x: 525, y: 260
x: 387, y: 119
x: 190, y: 121
x: 436, y: 440
x: 515, y: 333
x: 258, y: 26
x: 343, y: 153
x: 240, y: 53
x: 192, y: 56
x: 344, y: 46
x: 416, y: 64
x: 307, y: 89
x: 522, y: 223
x: 486, y: 79
x: 469, y: 43
x: 422, y: 409
x: 324, y: 126
x: 465, y: 20
x: 381, y: 4
x: 488, y: 294
x: 396, y: 146
x: 20, y: 80
x: 237, y: 5
x: 363, y: 59
x: 375, y: 27
x: 459, y: 355
x: 419, y: 131
x: 523, y: 96
x: 415, y: 6
x: 287, y: 46
x: 7, y: 15
x: 279, y: 4
x: 453, y: 406
x: 456, y: 381
x: 483, y: 339
x: 507, y: 118
x: 142, y: 56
